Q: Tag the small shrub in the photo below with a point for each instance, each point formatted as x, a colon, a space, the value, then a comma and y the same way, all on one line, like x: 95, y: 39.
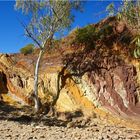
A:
x: 28, y: 49
x: 136, y: 40
x: 87, y: 36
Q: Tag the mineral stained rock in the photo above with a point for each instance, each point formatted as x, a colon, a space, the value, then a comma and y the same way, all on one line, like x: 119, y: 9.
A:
x: 104, y: 81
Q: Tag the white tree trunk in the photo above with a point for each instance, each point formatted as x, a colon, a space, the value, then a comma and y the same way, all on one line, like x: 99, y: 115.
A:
x: 36, y: 99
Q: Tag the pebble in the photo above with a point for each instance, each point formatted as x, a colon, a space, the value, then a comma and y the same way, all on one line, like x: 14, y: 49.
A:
x: 92, y: 131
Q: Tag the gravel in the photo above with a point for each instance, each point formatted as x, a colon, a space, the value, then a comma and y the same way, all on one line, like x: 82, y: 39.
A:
x: 20, y: 124
x: 93, y: 130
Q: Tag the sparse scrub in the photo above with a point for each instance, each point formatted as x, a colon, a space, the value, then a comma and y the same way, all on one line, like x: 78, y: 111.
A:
x: 89, y: 35
x: 28, y: 49
x: 86, y: 36
x: 129, y: 13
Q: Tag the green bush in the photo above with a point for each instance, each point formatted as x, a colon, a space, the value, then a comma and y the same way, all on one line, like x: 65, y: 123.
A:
x: 28, y: 49
x: 87, y: 36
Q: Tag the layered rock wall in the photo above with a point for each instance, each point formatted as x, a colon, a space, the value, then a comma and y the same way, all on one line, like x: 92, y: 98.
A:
x: 104, y: 80
x: 112, y: 90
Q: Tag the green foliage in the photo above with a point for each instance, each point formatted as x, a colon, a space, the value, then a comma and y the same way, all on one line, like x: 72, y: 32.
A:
x: 89, y: 35
x: 110, y: 9
x: 28, y: 49
x: 136, y: 41
x: 47, y: 18
x: 137, y: 53
x: 129, y: 13
x: 86, y: 36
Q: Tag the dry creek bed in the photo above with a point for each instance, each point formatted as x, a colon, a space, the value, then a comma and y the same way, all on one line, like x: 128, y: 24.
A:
x: 16, y: 125
x: 93, y: 130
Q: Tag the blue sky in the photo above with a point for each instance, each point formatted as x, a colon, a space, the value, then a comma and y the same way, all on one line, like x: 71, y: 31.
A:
x: 12, y: 34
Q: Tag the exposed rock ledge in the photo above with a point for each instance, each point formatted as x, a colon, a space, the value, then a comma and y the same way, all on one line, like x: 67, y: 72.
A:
x: 104, y: 80
x: 112, y: 93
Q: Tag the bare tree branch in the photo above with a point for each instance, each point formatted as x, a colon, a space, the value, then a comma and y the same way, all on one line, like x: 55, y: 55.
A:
x: 29, y: 34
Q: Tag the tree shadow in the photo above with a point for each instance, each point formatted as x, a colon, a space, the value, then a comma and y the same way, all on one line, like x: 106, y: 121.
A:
x: 26, y: 116
x: 6, y: 110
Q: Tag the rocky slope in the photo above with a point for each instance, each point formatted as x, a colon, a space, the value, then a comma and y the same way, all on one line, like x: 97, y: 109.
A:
x: 103, y: 80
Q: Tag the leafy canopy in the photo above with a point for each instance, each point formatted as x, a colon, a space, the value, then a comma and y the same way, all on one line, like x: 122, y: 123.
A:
x: 47, y: 17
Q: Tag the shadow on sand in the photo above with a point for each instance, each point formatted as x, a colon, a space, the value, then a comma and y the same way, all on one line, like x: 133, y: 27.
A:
x: 25, y: 116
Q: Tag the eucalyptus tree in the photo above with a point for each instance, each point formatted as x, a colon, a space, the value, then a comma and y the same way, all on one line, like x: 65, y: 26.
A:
x: 46, y: 18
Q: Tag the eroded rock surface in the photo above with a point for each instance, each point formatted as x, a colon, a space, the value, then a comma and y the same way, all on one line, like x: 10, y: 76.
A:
x: 104, y: 80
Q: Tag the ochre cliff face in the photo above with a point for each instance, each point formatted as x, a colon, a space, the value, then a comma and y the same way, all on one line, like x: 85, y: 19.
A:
x: 105, y: 81
x: 112, y: 90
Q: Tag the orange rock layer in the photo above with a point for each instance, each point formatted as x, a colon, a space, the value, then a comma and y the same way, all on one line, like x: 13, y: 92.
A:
x: 104, y: 80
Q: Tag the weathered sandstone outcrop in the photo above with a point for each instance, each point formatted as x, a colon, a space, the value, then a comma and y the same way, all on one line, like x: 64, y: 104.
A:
x: 105, y: 81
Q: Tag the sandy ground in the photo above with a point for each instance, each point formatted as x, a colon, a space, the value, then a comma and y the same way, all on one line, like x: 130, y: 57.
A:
x: 12, y: 130
x: 15, y: 125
